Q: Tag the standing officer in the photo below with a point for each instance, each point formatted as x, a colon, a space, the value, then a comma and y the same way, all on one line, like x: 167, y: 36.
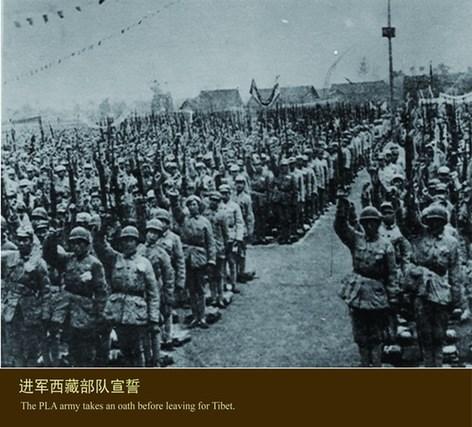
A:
x: 243, y: 199
x: 235, y: 222
x: 133, y: 307
x: 260, y: 192
x: 434, y: 283
x: 372, y: 288
x: 25, y: 287
x: 217, y: 218
x: 285, y: 198
x: 199, y: 249
x: 79, y: 306
x: 164, y: 272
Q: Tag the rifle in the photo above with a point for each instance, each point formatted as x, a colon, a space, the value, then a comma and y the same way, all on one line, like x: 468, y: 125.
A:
x: 137, y: 171
x: 52, y: 192
x: 71, y: 172
x: 101, y: 177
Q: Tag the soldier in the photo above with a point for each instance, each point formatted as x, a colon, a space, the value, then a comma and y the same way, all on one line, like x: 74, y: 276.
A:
x: 235, y: 222
x: 25, y: 289
x: 217, y: 218
x: 172, y: 244
x: 199, y: 249
x: 164, y: 272
x: 260, y: 194
x: 372, y: 288
x: 243, y: 199
x: 133, y: 307
x: 284, y: 198
x: 434, y: 283
x: 78, y: 307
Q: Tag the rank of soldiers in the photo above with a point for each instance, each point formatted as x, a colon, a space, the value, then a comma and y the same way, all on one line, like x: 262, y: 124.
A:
x: 107, y: 232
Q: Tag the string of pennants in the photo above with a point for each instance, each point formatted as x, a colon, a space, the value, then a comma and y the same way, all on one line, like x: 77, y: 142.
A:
x: 91, y: 46
x: 46, y: 17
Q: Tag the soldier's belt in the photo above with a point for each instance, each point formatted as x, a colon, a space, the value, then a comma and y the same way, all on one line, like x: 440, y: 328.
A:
x: 132, y: 293
x: 24, y: 290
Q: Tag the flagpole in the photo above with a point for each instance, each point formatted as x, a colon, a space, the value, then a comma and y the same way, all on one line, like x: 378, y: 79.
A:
x: 389, y: 32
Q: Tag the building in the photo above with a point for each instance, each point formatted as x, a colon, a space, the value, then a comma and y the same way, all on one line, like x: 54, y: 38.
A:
x: 376, y: 91
x: 211, y: 101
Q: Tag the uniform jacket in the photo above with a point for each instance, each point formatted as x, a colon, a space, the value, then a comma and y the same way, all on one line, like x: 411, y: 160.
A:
x: 198, y: 242
x: 173, y: 246
x: 85, y: 290
x: 25, y: 287
x: 234, y: 220
x: 374, y: 282
x: 244, y: 201
x: 163, y: 270
x: 135, y: 295
x: 220, y: 229
x: 438, y: 277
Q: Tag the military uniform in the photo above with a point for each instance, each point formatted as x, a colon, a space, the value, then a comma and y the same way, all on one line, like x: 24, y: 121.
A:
x: 164, y: 272
x: 219, y: 226
x: 243, y: 199
x: 284, y: 199
x: 235, y: 223
x: 435, y: 285
x: 78, y: 307
x: 199, y: 250
x: 371, y: 289
x: 133, y: 305
x: 260, y: 194
x: 25, y: 290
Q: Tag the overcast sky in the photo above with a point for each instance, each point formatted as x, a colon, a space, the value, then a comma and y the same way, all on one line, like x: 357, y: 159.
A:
x: 208, y: 44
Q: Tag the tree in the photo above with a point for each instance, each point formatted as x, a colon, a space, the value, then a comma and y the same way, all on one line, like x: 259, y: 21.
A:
x: 104, y: 109
x: 442, y: 69
x: 161, y: 101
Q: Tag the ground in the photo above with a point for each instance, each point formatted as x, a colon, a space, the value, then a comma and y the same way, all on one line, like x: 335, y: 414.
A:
x: 291, y: 315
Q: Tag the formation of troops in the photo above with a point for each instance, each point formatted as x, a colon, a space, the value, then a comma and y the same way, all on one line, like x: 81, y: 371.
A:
x: 110, y: 234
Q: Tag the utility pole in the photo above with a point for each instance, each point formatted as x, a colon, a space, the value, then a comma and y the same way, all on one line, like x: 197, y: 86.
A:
x: 389, y: 32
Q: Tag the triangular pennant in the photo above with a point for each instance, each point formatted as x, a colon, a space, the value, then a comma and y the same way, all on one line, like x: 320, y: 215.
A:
x: 60, y: 13
x: 30, y: 21
x: 45, y: 17
x: 101, y: 1
x: 78, y: 9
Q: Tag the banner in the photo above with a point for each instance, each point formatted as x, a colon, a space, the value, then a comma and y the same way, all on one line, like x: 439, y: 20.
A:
x: 254, y: 91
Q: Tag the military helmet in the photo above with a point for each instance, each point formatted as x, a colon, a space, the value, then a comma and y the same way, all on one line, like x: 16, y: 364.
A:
x: 386, y: 207
x: 444, y: 170
x: 39, y: 213
x: 42, y: 224
x: 83, y: 218
x: 434, y: 212
x: 193, y: 198
x: 370, y: 213
x: 224, y: 188
x: 162, y: 215
x: 129, y: 231
x: 23, y: 231
x: 80, y: 233
x: 215, y: 195
x: 155, y: 224
x: 239, y: 178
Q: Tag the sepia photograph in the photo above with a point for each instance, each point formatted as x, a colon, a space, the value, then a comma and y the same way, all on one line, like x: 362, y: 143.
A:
x: 236, y: 183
